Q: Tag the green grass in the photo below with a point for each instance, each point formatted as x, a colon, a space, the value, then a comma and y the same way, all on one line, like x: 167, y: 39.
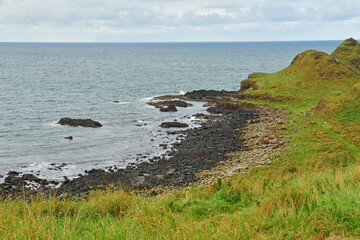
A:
x: 310, y: 192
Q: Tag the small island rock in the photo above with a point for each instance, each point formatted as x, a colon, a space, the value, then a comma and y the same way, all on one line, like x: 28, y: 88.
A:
x: 173, y: 124
x: 79, y: 122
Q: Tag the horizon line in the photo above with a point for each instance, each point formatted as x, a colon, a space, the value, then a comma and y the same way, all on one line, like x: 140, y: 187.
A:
x: 155, y: 42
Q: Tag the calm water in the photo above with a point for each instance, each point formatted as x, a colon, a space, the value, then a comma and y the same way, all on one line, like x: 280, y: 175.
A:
x: 41, y: 83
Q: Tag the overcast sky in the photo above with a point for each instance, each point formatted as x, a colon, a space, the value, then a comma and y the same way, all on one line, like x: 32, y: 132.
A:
x: 178, y: 20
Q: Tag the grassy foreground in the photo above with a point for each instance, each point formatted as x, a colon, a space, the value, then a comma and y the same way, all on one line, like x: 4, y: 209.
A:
x: 312, y: 191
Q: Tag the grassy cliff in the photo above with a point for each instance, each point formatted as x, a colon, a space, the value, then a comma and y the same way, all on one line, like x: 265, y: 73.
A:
x: 311, y: 191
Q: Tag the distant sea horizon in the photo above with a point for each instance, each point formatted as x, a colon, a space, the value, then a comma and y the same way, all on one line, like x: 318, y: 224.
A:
x: 161, y: 42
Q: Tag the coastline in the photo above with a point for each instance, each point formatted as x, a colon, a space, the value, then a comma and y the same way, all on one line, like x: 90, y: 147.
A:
x: 229, y: 142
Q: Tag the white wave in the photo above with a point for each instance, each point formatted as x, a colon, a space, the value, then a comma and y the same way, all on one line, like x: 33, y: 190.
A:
x: 182, y: 92
x: 52, y: 124
x: 146, y: 99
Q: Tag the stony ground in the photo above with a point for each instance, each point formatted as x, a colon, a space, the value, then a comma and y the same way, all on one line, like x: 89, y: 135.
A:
x: 263, y: 142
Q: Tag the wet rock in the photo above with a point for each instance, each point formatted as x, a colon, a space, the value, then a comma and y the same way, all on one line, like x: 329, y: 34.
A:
x: 164, y: 146
x: 69, y: 138
x: 13, y: 173
x: 173, y: 124
x: 175, y: 103
x: 79, y: 122
x: 116, y: 101
x: 172, y: 132
x: 170, y: 108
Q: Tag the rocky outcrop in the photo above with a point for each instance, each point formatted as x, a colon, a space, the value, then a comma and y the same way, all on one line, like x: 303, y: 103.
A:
x: 173, y: 124
x: 206, y: 95
x: 79, y: 122
x: 170, y: 108
x: 175, y: 103
x: 247, y: 84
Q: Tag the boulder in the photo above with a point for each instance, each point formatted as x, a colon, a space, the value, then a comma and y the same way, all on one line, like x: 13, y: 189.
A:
x: 170, y: 108
x: 173, y: 124
x: 175, y: 103
x: 79, y: 122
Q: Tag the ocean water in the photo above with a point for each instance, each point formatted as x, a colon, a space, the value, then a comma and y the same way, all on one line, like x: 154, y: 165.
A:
x: 43, y: 82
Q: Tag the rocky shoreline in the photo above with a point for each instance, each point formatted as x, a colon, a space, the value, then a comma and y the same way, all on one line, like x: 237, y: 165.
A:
x: 200, y: 157
x: 201, y: 149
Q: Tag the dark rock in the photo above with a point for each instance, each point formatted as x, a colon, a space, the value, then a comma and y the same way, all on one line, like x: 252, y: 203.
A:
x: 13, y: 173
x: 69, y: 137
x: 219, y: 110
x: 79, y: 122
x: 172, y: 132
x: 116, y: 102
x: 164, y: 146
x: 208, y: 94
x: 173, y: 124
x: 170, y: 108
x: 175, y: 103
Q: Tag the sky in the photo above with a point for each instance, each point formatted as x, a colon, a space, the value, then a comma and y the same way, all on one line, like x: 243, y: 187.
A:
x: 177, y: 20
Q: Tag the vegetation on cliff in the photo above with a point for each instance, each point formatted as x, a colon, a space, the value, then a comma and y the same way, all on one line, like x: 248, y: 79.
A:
x: 311, y: 191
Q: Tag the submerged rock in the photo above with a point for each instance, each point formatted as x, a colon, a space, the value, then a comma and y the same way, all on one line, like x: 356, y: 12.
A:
x: 79, y: 122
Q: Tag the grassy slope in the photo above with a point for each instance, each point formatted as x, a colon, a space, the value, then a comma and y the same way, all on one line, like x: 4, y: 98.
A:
x: 311, y: 192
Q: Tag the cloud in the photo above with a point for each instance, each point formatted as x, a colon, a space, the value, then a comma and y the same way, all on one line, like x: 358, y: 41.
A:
x: 144, y: 16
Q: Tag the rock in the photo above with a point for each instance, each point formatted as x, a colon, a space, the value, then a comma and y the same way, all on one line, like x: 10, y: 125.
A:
x: 247, y: 83
x: 164, y: 146
x: 116, y: 102
x: 79, y: 122
x: 208, y: 94
x: 13, y: 173
x: 173, y: 124
x: 175, y: 103
x: 170, y: 108
x: 264, y: 140
x: 69, y: 137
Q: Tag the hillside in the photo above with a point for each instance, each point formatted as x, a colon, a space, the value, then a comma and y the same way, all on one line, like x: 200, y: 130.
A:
x: 348, y: 53
x: 307, y: 190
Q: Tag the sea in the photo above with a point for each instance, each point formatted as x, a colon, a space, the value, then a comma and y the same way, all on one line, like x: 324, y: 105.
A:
x: 43, y: 82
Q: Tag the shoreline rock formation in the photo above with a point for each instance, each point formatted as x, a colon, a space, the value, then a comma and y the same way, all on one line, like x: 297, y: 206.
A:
x: 79, y: 122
